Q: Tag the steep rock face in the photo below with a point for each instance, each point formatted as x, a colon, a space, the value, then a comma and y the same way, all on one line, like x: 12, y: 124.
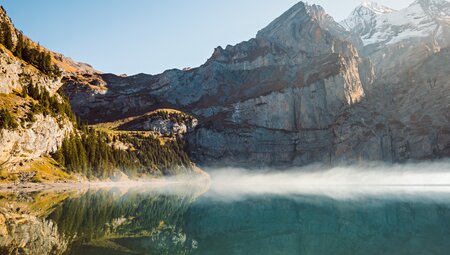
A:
x: 299, y: 92
x: 400, y: 121
x: 41, y: 137
x: 14, y: 74
x: 270, y: 100
x: 405, y: 113
x: 106, y: 97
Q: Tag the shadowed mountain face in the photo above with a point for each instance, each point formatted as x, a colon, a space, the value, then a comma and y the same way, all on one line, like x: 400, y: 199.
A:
x: 298, y: 93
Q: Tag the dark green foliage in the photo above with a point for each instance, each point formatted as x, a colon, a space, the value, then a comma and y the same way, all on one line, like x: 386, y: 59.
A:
x: 177, y: 117
x: 7, y: 36
x: 93, y: 155
x: 19, y: 47
x: 36, y: 56
x: 92, y: 215
x: 48, y: 105
x: 6, y: 120
x: 25, y: 50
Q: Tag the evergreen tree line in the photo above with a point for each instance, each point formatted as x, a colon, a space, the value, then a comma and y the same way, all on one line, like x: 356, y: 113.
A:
x: 7, y: 120
x: 24, y: 50
x: 47, y: 104
x: 91, y: 215
x: 177, y: 117
x: 93, y: 154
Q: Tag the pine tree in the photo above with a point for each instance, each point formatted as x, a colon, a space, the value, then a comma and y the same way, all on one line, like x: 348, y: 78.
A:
x: 59, y: 157
x: 46, y: 63
x: 19, y: 47
x: 7, y: 37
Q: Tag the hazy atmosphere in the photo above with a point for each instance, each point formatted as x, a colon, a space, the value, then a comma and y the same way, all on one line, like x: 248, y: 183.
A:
x: 224, y: 127
x: 152, y: 36
x: 344, y: 182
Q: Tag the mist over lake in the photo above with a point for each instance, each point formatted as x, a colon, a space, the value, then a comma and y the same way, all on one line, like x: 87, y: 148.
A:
x: 326, y: 130
x: 387, y: 209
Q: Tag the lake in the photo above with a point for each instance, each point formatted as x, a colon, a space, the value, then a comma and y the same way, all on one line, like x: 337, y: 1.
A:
x: 197, y: 219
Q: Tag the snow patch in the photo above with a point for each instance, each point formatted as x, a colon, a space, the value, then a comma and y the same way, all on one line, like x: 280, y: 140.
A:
x: 376, y: 8
x: 379, y: 24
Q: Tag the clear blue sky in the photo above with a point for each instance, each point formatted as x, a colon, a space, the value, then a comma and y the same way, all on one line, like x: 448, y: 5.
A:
x: 151, y: 36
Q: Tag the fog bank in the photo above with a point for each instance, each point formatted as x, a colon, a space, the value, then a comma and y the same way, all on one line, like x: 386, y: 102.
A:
x: 337, y: 182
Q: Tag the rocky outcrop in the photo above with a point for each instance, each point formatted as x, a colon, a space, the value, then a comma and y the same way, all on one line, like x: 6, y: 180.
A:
x: 14, y: 74
x: 405, y: 113
x: 39, y: 138
x: 162, y: 123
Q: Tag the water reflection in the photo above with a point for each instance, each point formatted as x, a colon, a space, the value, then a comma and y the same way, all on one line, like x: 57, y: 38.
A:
x: 181, y: 219
x: 96, y: 221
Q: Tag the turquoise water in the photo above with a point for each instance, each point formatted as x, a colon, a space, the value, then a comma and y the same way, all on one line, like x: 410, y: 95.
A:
x: 185, y: 220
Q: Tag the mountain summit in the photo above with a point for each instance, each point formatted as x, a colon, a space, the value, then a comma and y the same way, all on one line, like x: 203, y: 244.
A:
x: 289, y: 30
x: 376, y: 7
x: 424, y: 26
x: 272, y: 99
x: 363, y: 18
x: 380, y: 25
x: 306, y: 89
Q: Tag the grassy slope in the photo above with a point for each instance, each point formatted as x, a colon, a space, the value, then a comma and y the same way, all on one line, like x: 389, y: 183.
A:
x: 44, y: 169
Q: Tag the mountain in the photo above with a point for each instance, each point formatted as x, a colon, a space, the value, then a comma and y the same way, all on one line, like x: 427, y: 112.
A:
x: 29, y: 128
x: 364, y: 18
x: 381, y: 25
x: 409, y: 98
x: 306, y: 89
x: 400, y: 39
x: 271, y: 100
x: 41, y: 139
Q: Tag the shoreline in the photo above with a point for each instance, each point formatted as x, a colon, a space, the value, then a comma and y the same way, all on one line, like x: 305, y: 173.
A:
x: 84, y: 185
x: 61, y: 186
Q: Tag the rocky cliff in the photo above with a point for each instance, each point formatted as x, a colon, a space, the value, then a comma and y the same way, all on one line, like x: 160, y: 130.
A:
x: 34, y: 133
x: 305, y: 89
x: 405, y: 112
x: 270, y: 100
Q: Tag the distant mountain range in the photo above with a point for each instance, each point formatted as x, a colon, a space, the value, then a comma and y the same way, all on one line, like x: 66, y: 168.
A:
x: 306, y: 89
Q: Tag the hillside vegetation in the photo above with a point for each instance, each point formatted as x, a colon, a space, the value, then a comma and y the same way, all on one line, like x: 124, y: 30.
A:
x: 43, y: 140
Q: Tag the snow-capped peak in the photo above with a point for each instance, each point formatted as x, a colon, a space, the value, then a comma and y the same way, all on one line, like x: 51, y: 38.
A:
x: 364, y: 16
x: 376, y: 7
x: 376, y: 24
